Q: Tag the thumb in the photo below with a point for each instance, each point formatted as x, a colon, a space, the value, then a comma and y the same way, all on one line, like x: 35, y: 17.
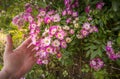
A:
x: 9, y: 44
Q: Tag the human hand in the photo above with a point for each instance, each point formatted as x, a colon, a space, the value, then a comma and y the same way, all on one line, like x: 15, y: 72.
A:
x: 19, y: 61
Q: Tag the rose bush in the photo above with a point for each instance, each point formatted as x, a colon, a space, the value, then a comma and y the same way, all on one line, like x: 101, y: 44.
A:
x: 74, y: 38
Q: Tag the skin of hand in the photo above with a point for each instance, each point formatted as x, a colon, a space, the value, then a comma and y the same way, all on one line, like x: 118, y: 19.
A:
x: 19, y: 61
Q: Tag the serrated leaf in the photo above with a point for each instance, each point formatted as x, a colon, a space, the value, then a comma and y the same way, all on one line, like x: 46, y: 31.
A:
x: 88, y: 53
x: 99, y: 52
x: 93, y: 55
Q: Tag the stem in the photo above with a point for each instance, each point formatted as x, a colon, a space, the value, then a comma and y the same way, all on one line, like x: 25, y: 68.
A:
x: 115, y: 68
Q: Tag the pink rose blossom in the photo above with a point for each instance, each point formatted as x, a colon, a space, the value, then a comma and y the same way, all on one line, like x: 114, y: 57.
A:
x: 49, y: 49
x: 59, y: 55
x: 53, y: 30
x: 69, y: 12
x: 75, y: 14
x: 68, y: 39
x: 60, y: 35
x: 96, y: 64
x: 47, y: 41
x: 84, y: 32
x: 42, y: 53
x: 95, y: 29
x: 47, y: 20
x: 42, y: 13
x: 86, y: 26
x: 64, y: 13
x: 28, y: 10
x: 99, y: 5
x: 63, y: 44
x: 56, y: 43
x: 45, y: 61
x: 71, y: 31
x: 51, y: 12
x: 39, y: 61
x: 87, y: 9
x: 56, y: 18
x: 68, y: 20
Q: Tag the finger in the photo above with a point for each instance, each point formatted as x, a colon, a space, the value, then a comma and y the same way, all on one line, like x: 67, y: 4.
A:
x: 33, y: 53
x: 9, y: 44
x: 31, y: 46
x: 26, y: 43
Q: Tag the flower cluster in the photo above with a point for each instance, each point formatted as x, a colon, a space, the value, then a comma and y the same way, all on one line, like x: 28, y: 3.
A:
x: 53, y: 39
x: 50, y: 34
x: 96, y: 64
x: 99, y: 6
x: 48, y: 17
x: 18, y: 20
x: 86, y: 30
x: 110, y: 51
x: 68, y: 11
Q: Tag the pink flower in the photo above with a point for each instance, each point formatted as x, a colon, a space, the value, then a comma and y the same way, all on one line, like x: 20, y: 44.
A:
x: 95, y: 29
x: 32, y: 26
x: 99, y: 5
x: 96, y: 64
x: 14, y: 20
x: 42, y: 13
x: 84, y: 32
x: 109, y: 43
x: 42, y: 53
x: 63, y: 44
x: 47, y: 41
x: 68, y: 39
x: 68, y: 20
x: 26, y: 15
x: 79, y: 36
x: 59, y: 55
x: 27, y: 5
x: 64, y: 13
x: 49, y: 49
x: 66, y: 28
x: 71, y: 31
x: 39, y: 61
x: 18, y: 20
x: 60, y: 35
x: 118, y: 54
x: 47, y: 20
x: 110, y: 51
x: 45, y: 33
x: 51, y: 12
x: 59, y: 28
x: 45, y: 61
x: 69, y: 12
x: 86, y: 26
x: 39, y: 22
x: 87, y: 9
x: 89, y: 18
x: 56, y: 18
x: 28, y: 10
x: 56, y: 43
x: 75, y: 14
x: 53, y: 30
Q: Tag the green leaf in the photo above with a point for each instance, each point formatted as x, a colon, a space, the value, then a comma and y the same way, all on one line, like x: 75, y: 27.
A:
x: 99, y: 52
x: 88, y: 53
x: 93, y: 55
x: 118, y: 40
x: 115, y: 5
